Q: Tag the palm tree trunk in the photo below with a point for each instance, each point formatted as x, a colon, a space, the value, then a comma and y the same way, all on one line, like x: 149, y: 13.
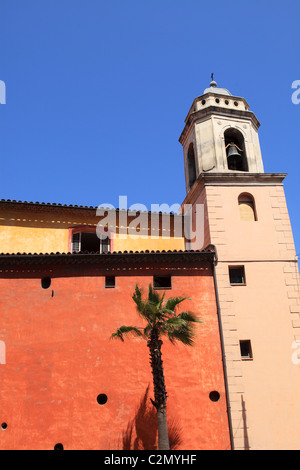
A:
x: 154, y: 345
x: 163, y: 436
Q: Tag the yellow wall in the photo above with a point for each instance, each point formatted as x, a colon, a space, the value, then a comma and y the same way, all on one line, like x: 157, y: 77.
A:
x: 148, y: 243
x: 33, y: 240
x: 29, y: 231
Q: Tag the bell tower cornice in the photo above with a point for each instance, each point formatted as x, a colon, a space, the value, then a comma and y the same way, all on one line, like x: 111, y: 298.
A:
x: 206, y: 106
x: 233, y: 179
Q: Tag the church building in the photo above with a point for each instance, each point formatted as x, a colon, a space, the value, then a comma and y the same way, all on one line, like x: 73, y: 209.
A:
x: 67, y: 275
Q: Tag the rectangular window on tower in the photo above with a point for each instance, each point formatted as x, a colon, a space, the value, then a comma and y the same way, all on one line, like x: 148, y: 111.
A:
x: 246, y: 349
x: 237, y: 275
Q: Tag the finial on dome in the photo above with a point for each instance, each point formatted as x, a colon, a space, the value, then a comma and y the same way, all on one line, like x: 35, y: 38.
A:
x: 213, y: 84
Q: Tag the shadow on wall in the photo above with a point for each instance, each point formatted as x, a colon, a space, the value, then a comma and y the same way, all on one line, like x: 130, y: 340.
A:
x: 245, y: 427
x: 141, y: 431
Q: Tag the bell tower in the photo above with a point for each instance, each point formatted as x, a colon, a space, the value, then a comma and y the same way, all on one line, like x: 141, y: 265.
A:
x: 256, y: 271
x: 220, y: 135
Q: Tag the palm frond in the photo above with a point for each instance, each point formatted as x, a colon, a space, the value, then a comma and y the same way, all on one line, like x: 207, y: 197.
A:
x: 142, y: 306
x: 172, y: 302
x: 173, y: 322
x: 153, y: 297
x: 124, y: 330
x: 147, y: 330
x: 137, y: 297
x: 180, y: 328
x: 189, y: 316
x: 160, y: 302
x: 150, y: 309
x: 185, y: 334
x: 160, y: 314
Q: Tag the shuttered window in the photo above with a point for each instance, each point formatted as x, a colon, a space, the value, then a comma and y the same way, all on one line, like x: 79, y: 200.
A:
x: 89, y: 242
x: 104, y: 245
x: 75, y: 242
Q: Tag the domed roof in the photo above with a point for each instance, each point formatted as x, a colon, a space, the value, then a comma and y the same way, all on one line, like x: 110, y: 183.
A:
x: 214, y: 89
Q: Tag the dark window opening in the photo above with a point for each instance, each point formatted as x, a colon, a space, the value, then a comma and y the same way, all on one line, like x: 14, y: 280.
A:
x: 46, y: 282
x: 237, y: 275
x: 162, y: 282
x: 246, y: 349
x: 214, y: 396
x: 191, y: 165
x: 102, y: 399
x: 90, y: 242
x: 58, y: 446
x: 235, y: 150
x: 110, y: 281
x: 3, y: 426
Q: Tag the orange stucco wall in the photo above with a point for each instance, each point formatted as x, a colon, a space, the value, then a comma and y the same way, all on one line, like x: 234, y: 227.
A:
x: 59, y: 358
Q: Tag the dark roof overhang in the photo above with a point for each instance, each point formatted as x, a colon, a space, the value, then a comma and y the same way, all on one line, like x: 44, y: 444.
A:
x: 106, y: 260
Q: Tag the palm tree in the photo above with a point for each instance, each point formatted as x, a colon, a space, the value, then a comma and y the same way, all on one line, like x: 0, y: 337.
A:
x: 161, y: 320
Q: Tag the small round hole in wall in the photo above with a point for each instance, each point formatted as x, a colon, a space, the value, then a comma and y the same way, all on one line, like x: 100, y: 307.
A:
x: 203, y: 101
x: 3, y: 426
x: 58, y: 446
x: 214, y: 396
x: 46, y: 282
x: 217, y: 100
x: 226, y: 102
x: 102, y: 399
x: 236, y: 103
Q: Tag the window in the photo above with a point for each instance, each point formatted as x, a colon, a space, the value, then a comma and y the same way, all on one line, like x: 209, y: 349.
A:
x: 214, y: 395
x: 191, y: 165
x: 247, y: 207
x: 46, y: 282
x: 162, y: 282
x: 237, y: 275
x: 59, y: 446
x: 110, y: 281
x: 246, y: 350
x: 75, y: 242
x: 89, y: 242
x: 102, y: 398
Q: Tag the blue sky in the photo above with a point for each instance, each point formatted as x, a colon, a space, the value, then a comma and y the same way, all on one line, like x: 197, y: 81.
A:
x: 97, y: 92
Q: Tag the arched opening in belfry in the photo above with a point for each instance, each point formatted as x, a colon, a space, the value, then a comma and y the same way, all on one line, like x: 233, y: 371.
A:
x: 235, y: 150
x: 191, y: 165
